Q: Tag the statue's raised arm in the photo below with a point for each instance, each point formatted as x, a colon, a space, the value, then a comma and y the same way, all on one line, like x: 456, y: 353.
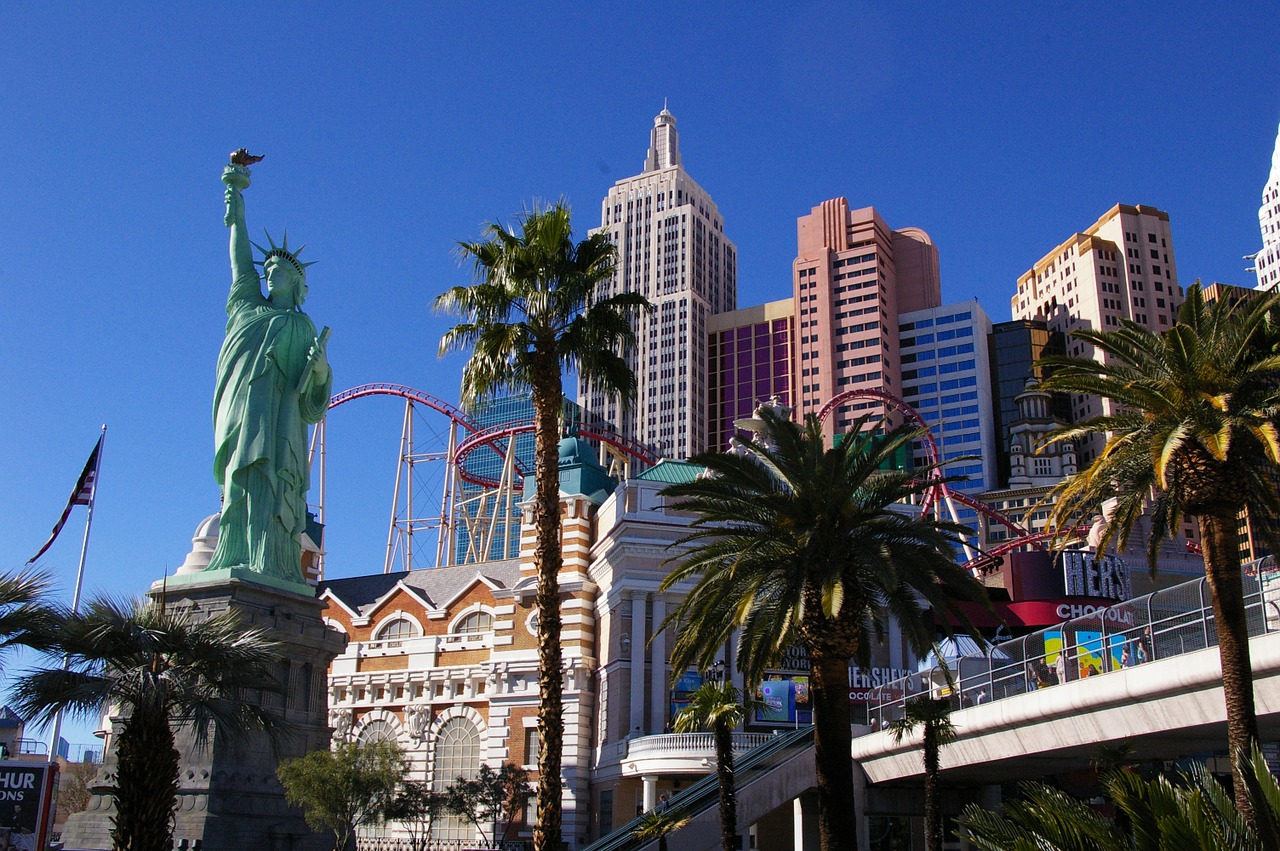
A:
x: 236, y: 178
x: 273, y: 379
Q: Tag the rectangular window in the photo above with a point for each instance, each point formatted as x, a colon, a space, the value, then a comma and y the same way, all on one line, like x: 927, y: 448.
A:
x: 531, y: 746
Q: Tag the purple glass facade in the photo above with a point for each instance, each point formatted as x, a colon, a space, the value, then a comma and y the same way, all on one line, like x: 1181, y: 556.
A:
x: 749, y: 363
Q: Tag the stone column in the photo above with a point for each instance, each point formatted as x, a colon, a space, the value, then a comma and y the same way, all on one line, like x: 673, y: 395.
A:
x: 637, y: 726
x: 658, y: 675
x: 804, y: 820
x: 860, y: 806
x: 650, y: 791
x: 228, y: 796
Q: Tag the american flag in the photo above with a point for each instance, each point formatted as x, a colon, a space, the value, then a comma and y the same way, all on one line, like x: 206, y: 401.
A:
x: 82, y: 495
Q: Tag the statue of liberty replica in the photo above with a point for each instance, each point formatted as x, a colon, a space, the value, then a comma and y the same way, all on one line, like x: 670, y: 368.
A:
x: 273, y: 380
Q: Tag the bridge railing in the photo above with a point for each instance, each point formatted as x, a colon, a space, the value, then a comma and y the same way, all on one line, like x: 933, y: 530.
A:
x: 676, y: 744
x: 1099, y: 641
x: 389, y: 843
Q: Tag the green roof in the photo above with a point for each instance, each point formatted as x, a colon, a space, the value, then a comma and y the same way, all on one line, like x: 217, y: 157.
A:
x: 672, y: 472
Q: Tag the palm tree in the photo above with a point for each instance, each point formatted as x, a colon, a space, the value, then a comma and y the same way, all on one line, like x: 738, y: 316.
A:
x: 797, y: 543
x: 1195, y: 814
x: 532, y: 311
x: 933, y: 716
x: 718, y: 707
x: 162, y: 670
x: 1194, y: 433
x: 24, y: 619
x: 659, y: 824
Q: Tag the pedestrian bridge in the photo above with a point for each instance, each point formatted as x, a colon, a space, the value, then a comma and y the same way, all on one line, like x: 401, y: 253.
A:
x: 1144, y: 671
x: 1166, y: 709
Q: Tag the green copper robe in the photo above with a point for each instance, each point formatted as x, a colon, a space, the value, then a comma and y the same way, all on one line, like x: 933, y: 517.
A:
x: 259, y: 421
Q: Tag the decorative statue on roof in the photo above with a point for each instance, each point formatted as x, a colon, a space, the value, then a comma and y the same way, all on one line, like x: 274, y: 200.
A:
x: 273, y: 380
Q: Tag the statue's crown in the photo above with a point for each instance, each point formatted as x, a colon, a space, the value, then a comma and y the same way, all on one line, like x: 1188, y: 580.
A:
x: 282, y: 251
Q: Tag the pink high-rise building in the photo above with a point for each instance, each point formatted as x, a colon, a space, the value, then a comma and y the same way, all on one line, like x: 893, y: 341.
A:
x: 852, y: 276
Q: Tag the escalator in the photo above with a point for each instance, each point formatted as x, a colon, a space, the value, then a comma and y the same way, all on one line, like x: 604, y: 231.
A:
x: 704, y: 796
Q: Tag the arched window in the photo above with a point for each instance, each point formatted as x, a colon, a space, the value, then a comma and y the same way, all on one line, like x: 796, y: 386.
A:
x: 397, y: 630
x: 376, y: 732
x: 457, y: 754
x: 474, y: 623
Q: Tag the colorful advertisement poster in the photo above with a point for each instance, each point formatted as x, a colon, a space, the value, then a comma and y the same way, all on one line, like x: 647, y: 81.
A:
x: 786, y: 700
x: 682, y: 692
x: 1052, y: 645
x: 1093, y: 652
x: 779, y: 699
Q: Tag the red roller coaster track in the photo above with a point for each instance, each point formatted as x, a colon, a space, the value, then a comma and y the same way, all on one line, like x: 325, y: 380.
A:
x: 404, y: 392
x: 495, y: 438
x: 492, y: 438
x: 940, y: 492
x: 489, y: 437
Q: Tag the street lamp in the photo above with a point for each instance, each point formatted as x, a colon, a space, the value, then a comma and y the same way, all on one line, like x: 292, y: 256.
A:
x: 716, y: 672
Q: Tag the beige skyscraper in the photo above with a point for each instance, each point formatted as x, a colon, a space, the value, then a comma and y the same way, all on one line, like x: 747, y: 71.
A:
x: 671, y: 248
x: 1122, y: 267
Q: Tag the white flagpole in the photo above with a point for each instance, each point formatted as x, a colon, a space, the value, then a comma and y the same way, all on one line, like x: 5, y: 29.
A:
x: 75, y: 597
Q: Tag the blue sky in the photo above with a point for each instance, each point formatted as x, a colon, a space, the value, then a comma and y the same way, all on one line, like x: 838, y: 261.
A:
x: 393, y: 130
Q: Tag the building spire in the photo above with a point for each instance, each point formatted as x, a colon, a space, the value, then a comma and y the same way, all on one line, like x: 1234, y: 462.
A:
x: 664, y: 142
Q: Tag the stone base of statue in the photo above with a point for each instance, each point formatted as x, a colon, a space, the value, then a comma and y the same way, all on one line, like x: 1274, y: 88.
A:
x: 228, y: 794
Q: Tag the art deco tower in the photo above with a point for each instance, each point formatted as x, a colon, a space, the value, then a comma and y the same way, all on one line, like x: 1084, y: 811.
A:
x: 1268, y: 259
x: 672, y: 249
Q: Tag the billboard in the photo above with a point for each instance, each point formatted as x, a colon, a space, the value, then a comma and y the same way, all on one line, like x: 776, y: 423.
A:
x: 26, y: 804
x: 785, y: 699
x: 681, y: 693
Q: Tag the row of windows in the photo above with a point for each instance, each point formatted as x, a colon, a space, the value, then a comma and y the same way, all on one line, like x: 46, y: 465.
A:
x: 941, y: 320
x: 941, y: 369
x: 956, y: 425
x: 400, y: 629
x: 941, y: 352
x: 846, y: 380
x: 949, y: 334
x: 949, y: 384
x: 858, y: 361
x: 850, y: 261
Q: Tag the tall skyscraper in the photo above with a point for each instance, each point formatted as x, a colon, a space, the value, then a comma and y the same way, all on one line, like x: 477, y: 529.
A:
x: 853, y: 275
x: 672, y: 249
x: 1122, y: 267
x: 1267, y: 260
x: 946, y: 378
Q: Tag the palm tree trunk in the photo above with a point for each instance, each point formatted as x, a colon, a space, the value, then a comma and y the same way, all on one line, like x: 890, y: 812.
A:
x: 547, y: 401
x: 728, y: 794
x: 146, y: 783
x: 1226, y: 591
x: 932, y: 808
x: 832, y: 741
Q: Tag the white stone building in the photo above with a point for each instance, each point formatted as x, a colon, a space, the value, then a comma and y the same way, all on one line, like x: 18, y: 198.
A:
x: 1267, y: 261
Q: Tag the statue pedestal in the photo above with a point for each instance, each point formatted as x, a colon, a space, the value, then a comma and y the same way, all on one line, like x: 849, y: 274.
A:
x: 228, y: 794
